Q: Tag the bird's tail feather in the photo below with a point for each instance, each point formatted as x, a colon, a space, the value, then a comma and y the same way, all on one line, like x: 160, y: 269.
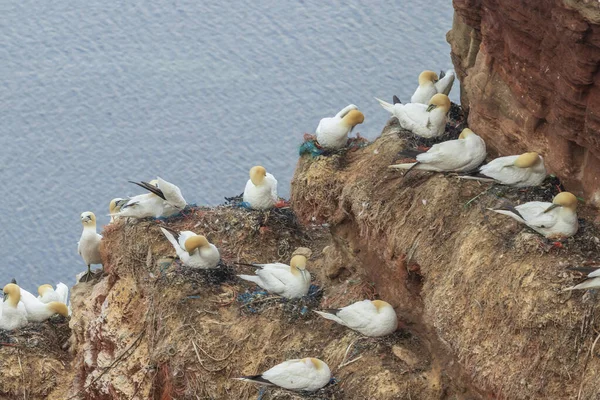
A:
x: 251, y: 278
x: 330, y: 316
x: 254, y: 378
x: 387, y: 106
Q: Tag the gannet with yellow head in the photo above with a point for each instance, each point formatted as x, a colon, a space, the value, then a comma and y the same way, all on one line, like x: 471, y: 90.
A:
x: 13, y: 314
x: 556, y: 220
x: 523, y: 170
x: 89, y: 244
x: 38, y: 311
x: 193, y: 250
x: 164, y: 200
x: 430, y: 85
x: 306, y: 374
x: 428, y: 121
x: 289, y: 281
x: 369, y: 317
x: 47, y: 294
x: 261, y: 189
x: 460, y: 155
x: 332, y: 133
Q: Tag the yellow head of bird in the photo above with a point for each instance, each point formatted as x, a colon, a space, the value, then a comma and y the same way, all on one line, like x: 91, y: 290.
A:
x: 427, y: 76
x: 44, y: 288
x: 353, y: 118
x: 380, y: 304
x: 88, y: 218
x: 527, y: 160
x: 299, y: 262
x: 465, y: 133
x: 12, y: 294
x: 563, y: 199
x: 195, y: 242
x: 113, y: 208
x: 440, y: 101
x: 314, y: 363
x: 58, y: 308
x: 257, y: 175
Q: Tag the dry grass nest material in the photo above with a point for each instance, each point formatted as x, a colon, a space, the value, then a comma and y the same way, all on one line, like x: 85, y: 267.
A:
x: 47, y: 338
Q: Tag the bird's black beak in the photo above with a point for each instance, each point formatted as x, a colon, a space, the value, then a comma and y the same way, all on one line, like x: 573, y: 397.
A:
x: 552, y: 207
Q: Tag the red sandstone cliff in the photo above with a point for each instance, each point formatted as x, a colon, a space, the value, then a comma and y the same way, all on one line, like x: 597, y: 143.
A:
x: 530, y: 79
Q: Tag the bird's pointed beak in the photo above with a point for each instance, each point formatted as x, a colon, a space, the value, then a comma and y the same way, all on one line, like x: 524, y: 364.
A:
x: 552, y: 207
x: 431, y: 107
x: 4, y: 297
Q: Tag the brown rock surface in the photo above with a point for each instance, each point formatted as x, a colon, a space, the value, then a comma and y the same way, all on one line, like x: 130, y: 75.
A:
x: 529, y: 77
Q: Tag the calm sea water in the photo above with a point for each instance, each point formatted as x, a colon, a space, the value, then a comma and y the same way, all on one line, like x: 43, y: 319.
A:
x: 97, y: 93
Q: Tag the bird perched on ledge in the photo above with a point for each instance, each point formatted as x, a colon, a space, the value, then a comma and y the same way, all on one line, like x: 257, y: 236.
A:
x: 332, y: 133
x: 193, y: 250
x: 524, y: 170
x: 460, y: 155
x: 371, y: 318
x: 47, y: 293
x: 164, y: 200
x: 307, y: 374
x: 88, y: 246
x: 38, y: 311
x: 289, y: 281
x: 430, y: 85
x: 428, y: 121
x: 556, y: 220
x: 261, y: 189
x: 13, y: 314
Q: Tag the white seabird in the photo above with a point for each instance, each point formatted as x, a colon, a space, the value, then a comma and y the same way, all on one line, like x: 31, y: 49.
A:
x: 307, y: 374
x: 261, y: 189
x: 164, y: 200
x: 38, y: 311
x: 460, y: 155
x: 193, y: 250
x: 556, y: 220
x: 13, y: 314
x: 371, y: 318
x: 430, y: 85
x: 332, y: 133
x: 289, y: 281
x: 523, y: 170
x: 428, y: 121
x: 47, y: 293
x: 89, y: 243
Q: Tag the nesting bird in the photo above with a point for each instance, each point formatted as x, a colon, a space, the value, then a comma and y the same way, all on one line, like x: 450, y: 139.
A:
x: 89, y: 244
x: 38, y: 311
x: 461, y: 155
x: 13, y: 314
x: 261, y: 189
x: 430, y: 85
x: 556, y: 220
x: 332, y: 133
x: 523, y: 170
x: 193, y: 250
x: 289, y: 281
x: 164, y: 200
x: 371, y: 318
x: 115, y: 206
x: 47, y: 294
x: 428, y: 121
x: 307, y: 374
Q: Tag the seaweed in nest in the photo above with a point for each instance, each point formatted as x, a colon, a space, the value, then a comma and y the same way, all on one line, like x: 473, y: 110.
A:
x: 47, y: 337
x: 260, y: 300
x: 200, y: 277
x: 311, y: 146
x: 545, y: 192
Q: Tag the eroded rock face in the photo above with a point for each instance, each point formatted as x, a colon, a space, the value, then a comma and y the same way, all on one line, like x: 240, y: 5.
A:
x: 529, y: 77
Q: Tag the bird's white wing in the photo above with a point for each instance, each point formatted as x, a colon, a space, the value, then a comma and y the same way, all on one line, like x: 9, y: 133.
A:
x: 358, y: 314
x: 346, y: 110
x: 292, y: 374
x: 274, y: 280
x: 533, y: 213
x: 63, y: 292
x: 270, y: 178
x: 172, y: 193
x: 444, y: 85
x: 412, y: 115
x: 449, y: 155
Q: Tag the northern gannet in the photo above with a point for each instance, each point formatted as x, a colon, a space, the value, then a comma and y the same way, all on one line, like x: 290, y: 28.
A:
x: 164, y: 200
x: 38, y: 311
x: 47, y: 293
x: 290, y: 281
x: 332, y: 133
x: 115, y: 206
x: 13, y: 314
x: 430, y: 85
x: 592, y: 281
x: 193, y: 250
x: 524, y: 170
x: 556, y: 220
x: 261, y: 189
x: 89, y: 244
x: 460, y: 155
x: 371, y: 318
x: 307, y: 374
x: 428, y: 121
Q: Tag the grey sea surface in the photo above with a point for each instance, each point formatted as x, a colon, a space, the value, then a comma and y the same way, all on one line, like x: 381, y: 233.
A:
x: 97, y: 93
